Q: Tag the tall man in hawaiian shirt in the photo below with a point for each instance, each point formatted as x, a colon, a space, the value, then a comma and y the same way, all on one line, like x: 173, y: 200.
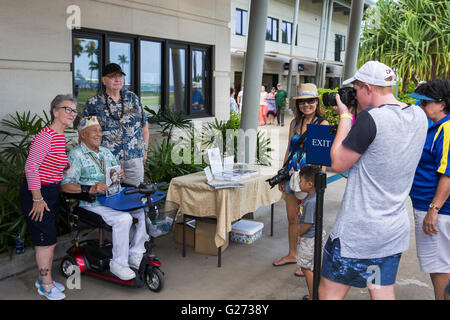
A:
x: 123, y: 121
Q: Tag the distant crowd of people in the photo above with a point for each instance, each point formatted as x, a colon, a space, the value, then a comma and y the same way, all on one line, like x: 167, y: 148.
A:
x: 272, y: 104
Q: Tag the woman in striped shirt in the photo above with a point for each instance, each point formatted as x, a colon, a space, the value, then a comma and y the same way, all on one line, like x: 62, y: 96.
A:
x: 39, y: 193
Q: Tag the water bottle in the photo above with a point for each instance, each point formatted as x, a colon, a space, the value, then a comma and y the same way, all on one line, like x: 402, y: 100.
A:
x: 20, y: 244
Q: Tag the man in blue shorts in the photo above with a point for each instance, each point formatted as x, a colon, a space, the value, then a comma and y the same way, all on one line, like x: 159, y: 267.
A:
x: 381, y: 151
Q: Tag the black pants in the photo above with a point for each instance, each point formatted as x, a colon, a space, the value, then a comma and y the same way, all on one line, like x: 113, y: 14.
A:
x: 43, y: 233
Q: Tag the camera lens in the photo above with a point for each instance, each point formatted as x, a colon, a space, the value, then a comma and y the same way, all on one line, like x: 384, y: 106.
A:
x: 329, y: 99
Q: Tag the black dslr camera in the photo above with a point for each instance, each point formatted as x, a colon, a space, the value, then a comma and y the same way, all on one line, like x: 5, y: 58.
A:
x: 281, y: 176
x: 347, y: 95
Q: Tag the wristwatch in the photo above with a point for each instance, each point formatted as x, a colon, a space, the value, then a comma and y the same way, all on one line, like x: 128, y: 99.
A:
x: 433, y: 206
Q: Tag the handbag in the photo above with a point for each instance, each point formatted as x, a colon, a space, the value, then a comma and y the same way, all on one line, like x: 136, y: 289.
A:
x: 294, y: 184
x: 294, y: 181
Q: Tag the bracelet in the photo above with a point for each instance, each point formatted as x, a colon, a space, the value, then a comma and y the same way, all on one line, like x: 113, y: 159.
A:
x: 346, y: 115
x: 39, y: 200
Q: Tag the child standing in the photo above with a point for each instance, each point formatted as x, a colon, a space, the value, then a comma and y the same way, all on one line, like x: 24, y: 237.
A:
x: 306, y: 226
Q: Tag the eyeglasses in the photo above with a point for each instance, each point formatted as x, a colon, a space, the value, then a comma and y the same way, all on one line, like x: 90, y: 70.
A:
x: 307, y: 101
x: 69, y: 110
x: 115, y: 76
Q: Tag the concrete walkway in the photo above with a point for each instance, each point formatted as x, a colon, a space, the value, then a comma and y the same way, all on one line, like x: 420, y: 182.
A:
x: 246, y: 273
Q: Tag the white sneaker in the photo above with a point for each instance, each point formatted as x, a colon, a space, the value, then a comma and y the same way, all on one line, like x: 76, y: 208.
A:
x: 123, y: 273
x: 52, y: 294
x: 134, y: 261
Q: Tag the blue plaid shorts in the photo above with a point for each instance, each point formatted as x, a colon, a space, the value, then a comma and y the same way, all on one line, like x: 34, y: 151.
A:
x: 358, y: 273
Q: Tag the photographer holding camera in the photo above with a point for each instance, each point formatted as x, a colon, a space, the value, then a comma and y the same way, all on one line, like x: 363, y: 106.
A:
x: 307, y: 111
x: 381, y: 151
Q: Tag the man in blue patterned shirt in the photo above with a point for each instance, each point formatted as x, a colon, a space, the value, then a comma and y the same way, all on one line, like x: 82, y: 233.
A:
x: 123, y: 121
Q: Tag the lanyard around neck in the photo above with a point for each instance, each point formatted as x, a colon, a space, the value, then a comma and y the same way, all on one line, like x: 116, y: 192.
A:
x: 100, y: 163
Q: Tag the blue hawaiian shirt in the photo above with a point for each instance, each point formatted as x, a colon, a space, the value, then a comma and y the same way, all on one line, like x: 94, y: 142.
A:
x: 83, y: 170
x: 123, y: 137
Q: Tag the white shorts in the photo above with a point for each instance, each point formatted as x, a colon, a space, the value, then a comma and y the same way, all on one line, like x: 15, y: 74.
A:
x: 305, y: 252
x: 433, y: 252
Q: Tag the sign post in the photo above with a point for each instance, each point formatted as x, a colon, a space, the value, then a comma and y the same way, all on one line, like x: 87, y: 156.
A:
x: 319, y: 141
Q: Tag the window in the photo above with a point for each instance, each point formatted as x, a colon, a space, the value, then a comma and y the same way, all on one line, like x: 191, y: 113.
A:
x: 162, y: 73
x: 199, y: 80
x: 241, y: 22
x: 339, y: 46
x: 150, y: 74
x: 120, y: 53
x: 85, y: 68
x: 286, y: 32
x: 272, y: 29
x: 177, y: 78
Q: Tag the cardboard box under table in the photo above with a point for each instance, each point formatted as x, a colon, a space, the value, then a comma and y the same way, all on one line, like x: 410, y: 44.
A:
x: 189, y: 233
x: 222, y: 207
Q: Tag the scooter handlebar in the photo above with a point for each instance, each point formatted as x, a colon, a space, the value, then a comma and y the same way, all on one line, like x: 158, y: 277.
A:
x: 146, y: 188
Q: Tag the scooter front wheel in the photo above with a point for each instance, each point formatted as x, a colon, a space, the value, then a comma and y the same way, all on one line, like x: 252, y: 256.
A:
x: 154, y: 278
x: 68, y: 265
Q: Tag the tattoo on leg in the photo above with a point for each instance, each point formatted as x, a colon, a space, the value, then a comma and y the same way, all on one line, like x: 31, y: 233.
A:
x: 43, y: 272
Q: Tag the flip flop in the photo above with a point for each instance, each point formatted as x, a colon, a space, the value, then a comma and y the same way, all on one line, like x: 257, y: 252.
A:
x: 298, y: 275
x: 283, y: 264
x: 306, y: 297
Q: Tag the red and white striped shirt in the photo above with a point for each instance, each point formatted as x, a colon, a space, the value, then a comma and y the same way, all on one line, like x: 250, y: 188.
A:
x: 46, y: 160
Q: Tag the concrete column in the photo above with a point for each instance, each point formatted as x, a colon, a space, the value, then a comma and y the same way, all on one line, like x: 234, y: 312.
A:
x: 320, y: 44
x: 254, y: 62
x: 327, y: 36
x: 354, y: 29
x: 291, y: 52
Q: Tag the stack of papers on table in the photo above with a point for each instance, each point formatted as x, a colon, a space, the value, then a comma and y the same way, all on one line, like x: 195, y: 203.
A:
x: 220, y: 184
x: 235, y: 175
x: 223, y: 176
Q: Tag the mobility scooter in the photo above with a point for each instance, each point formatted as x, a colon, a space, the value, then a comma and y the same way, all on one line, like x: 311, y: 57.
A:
x: 93, y: 256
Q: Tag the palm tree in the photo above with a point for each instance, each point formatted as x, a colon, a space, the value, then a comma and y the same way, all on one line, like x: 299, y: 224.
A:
x: 91, y: 50
x: 123, y: 59
x: 411, y: 36
x: 77, y: 46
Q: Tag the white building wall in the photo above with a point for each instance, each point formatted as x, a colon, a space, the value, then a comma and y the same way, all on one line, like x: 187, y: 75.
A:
x: 309, y: 18
x: 36, y: 45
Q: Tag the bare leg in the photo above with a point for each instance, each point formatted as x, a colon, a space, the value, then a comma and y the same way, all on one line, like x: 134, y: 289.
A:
x: 291, y: 209
x: 44, y: 260
x: 330, y: 290
x: 382, y: 293
x: 309, y: 277
x: 439, y: 281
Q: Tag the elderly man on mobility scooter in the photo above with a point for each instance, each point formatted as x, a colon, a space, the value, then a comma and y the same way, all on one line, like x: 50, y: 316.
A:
x: 88, y: 163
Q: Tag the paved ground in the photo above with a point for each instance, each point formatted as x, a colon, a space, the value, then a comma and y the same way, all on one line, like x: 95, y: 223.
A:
x: 246, y: 273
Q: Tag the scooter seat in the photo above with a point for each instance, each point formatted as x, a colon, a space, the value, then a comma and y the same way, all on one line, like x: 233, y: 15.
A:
x: 91, y: 219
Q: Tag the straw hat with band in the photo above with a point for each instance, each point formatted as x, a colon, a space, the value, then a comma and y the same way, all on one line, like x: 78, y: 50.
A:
x: 306, y: 90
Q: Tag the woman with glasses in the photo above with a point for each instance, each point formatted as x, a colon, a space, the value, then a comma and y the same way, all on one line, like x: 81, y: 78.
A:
x: 39, y: 192
x: 307, y: 111
x: 431, y: 186
x: 123, y: 121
